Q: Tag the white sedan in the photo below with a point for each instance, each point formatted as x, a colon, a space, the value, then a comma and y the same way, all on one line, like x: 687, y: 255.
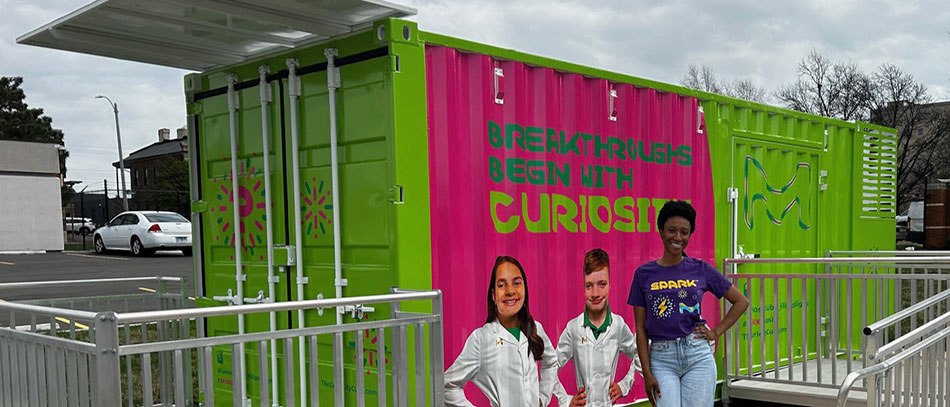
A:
x: 143, y: 232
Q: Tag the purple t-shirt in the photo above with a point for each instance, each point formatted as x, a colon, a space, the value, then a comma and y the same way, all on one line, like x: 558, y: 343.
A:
x: 672, y: 295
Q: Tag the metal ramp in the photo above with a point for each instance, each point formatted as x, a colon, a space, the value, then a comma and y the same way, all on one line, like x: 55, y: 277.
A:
x: 787, y: 391
x: 842, y: 331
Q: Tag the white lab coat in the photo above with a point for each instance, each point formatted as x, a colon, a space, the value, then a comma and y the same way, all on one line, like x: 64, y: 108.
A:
x: 502, y: 368
x: 595, y: 360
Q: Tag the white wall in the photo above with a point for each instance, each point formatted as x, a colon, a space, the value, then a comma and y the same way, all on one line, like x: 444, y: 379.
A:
x: 31, y: 213
x: 28, y: 157
x: 31, y: 209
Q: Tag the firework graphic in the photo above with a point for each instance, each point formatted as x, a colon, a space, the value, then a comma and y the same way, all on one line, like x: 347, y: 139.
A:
x: 681, y: 294
x: 371, y: 351
x: 662, y: 307
x: 251, y: 209
x: 316, y: 197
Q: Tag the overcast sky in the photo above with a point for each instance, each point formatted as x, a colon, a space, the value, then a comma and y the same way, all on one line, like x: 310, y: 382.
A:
x: 761, y: 40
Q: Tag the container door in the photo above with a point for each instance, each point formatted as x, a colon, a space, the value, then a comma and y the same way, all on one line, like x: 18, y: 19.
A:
x: 217, y: 223
x: 364, y: 137
x: 778, y: 198
x: 778, y: 188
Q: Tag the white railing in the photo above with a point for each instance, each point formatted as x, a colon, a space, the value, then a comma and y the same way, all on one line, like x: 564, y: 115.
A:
x: 806, y: 316
x: 161, y: 357
x: 913, y: 369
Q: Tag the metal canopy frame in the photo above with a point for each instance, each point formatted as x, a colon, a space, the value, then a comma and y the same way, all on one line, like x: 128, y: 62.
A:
x: 200, y: 35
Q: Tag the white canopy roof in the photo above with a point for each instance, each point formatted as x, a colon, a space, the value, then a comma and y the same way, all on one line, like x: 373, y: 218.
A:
x: 203, y: 34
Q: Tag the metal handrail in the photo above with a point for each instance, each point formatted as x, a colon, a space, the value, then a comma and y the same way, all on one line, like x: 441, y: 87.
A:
x: 834, y: 260
x: 47, y: 340
x: 906, y: 312
x: 886, y: 365
x: 934, y: 277
x: 924, y: 329
x: 897, y: 253
x: 777, y: 360
x: 149, y: 316
x: 167, y: 346
x: 34, y: 284
x: 84, y: 316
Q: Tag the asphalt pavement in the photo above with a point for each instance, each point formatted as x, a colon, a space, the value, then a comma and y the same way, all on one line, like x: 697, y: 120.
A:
x: 70, y: 266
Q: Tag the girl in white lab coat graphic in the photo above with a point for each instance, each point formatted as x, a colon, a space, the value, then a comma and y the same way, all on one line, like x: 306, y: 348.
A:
x: 502, y: 356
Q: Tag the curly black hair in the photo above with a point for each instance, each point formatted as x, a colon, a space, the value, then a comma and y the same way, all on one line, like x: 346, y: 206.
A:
x: 677, y: 208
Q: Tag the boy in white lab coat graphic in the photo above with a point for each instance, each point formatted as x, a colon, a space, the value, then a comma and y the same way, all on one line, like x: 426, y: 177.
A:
x: 594, y: 340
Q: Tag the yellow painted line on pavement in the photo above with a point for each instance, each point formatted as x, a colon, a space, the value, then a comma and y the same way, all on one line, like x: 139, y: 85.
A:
x: 68, y: 322
x: 150, y: 290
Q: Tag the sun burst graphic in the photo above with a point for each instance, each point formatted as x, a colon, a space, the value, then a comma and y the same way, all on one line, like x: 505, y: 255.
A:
x: 251, y: 210
x: 316, y: 197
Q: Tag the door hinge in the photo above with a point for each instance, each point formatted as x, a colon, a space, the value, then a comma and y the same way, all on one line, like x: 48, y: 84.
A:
x: 396, y: 195
x: 732, y: 194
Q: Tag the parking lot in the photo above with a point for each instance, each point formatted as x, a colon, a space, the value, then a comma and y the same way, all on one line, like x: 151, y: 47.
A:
x: 87, y: 265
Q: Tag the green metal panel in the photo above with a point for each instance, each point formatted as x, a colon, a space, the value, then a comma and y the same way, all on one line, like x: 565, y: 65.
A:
x: 385, y: 191
x: 727, y: 117
x: 412, y: 256
x: 365, y: 212
x: 366, y: 139
x: 217, y: 223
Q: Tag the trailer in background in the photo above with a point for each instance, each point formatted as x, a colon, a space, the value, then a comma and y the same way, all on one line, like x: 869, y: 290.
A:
x: 935, y: 223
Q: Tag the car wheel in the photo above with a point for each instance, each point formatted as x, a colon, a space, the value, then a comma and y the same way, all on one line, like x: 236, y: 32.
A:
x: 138, y: 249
x: 186, y: 251
x: 100, y: 246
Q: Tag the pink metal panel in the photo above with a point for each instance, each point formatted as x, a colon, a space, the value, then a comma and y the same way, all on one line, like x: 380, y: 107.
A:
x: 466, y: 158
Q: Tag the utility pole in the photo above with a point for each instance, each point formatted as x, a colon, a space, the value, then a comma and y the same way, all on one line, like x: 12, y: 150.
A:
x: 118, y: 137
x: 105, y: 194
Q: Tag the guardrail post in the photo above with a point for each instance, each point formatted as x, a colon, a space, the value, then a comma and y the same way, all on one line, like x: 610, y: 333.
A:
x: 870, y: 358
x: 107, y: 360
x: 436, y: 354
x: 399, y: 360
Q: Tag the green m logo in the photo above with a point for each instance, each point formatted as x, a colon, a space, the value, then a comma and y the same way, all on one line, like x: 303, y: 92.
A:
x: 796, y: 204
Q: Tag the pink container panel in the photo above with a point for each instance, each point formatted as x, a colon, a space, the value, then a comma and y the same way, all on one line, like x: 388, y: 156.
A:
x: 544, y: 165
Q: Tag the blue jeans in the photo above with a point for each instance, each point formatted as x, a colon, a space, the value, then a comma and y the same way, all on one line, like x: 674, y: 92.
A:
x: 685, y: 370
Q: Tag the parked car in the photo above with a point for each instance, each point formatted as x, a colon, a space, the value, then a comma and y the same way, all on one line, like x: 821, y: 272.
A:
x: 912, y: 222
x: 83, y: 226
x: 143, y: 232
x: 901, y: 232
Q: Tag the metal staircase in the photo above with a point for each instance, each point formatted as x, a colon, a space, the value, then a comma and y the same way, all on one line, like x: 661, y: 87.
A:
x: 841, y: 330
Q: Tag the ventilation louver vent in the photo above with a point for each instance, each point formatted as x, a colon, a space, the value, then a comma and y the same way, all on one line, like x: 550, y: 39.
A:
x: 878, y: 174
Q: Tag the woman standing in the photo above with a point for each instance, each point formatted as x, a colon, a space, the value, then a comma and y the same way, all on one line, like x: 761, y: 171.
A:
x: 678, y: 365
x: 502, y: 356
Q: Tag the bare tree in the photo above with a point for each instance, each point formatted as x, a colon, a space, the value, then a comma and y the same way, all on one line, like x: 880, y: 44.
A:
x: 828, y: 88
x: 899, y: 101
x: 888, y: 97
x: 746, y: 89
x: 701, y: 77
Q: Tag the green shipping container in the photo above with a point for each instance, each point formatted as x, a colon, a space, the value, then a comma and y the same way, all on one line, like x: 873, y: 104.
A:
x: 449, y: 153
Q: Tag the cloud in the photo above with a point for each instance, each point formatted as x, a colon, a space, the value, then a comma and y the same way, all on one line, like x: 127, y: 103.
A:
x: 657, y: 40
x: 64, y: 85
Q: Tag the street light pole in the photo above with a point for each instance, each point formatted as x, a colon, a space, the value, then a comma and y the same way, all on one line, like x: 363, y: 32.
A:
x: 118, y: 137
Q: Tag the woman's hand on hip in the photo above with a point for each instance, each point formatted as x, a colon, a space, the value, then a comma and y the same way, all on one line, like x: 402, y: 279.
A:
x: 702, y: 331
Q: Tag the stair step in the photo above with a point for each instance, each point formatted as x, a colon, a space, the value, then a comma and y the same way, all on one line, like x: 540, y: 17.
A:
x: 796, y: 394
